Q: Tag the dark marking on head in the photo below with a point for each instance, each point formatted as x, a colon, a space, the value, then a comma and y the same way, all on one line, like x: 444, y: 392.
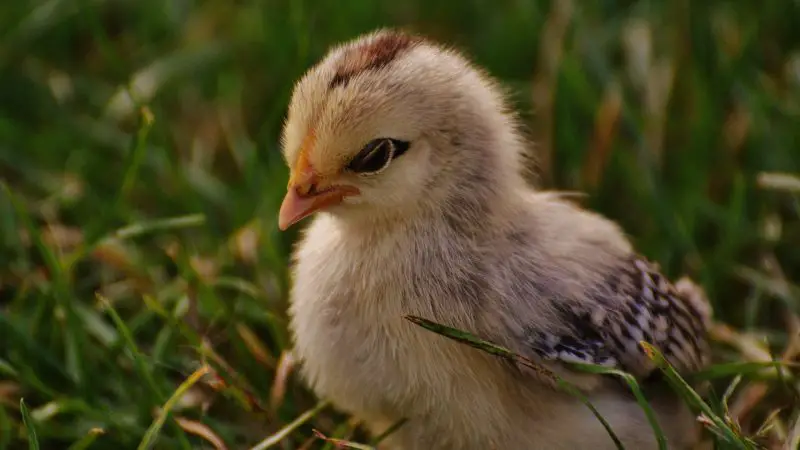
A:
x: 372, y: 55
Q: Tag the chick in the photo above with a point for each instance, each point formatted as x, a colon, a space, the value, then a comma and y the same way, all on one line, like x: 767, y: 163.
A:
x: 411, y: 160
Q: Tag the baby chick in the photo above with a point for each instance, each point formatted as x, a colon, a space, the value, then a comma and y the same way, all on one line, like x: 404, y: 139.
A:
x: 412, y: 160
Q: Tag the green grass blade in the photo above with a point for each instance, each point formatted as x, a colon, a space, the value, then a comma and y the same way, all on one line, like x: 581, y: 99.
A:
x: 72, y: 332
x: 7, y: 369
x: 33, y: 440
x: 693, y: 399
x: 140, y: 362
x: 389, y: 431
x: 150, y: 437
x: 475, y: 342
x: 137, y: 153
x: 637, y: 392
x: 575, y: 392
x: 136, y: 230
x: 726, y: 396
x: 141, y: 228
x: 11, y: 331
x: 742, y: 368
x: 281, y: 434
x: 239, y: 388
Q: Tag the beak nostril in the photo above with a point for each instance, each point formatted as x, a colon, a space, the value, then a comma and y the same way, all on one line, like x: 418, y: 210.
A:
x: 307, y: 190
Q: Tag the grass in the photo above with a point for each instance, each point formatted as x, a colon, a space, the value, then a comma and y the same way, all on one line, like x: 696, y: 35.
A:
x: 141, y: 170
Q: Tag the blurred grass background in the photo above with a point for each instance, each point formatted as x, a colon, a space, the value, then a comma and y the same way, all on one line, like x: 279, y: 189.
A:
x: 142, y: 176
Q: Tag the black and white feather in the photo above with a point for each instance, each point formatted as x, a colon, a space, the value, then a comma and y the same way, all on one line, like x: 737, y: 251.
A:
x: 636, y: 304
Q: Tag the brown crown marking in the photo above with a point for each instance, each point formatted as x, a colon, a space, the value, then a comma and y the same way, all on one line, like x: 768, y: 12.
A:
x: 373, y: 55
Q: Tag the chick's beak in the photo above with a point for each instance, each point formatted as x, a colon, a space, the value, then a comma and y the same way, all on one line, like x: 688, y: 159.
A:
x: 308, y: 193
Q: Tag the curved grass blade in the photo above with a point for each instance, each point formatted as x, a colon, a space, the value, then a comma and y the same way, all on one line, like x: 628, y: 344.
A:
x: 389, y: 431
x: 637, y: 392
x: 86, y: 441
x: 468, y: 339
x: 693, y: 399
x: 202, y: 430
x: 152, y: 433
x: 281, y: 434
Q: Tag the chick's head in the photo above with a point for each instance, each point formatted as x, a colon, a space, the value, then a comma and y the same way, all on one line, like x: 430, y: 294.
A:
x: 385, y: 124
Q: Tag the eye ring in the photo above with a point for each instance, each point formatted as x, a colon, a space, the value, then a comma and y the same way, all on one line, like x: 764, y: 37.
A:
x: 376, y: 156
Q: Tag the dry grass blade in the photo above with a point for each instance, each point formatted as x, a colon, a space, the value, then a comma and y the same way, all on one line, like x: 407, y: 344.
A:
x: 779, y: 181
x: 342, y: 432
x: 771, y: 424
x: 760, y: 360
x: 544, y: 86
x: 605, y: 131
x: 240, y: 388
x: 255, y: 346
x: 202, y: 430
x: 342, y: 443
x: 288, y: 429
x: 281, y: 381
x: 308, y: 443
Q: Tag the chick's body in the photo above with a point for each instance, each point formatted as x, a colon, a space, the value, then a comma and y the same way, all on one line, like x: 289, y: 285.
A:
x: 467, y: 244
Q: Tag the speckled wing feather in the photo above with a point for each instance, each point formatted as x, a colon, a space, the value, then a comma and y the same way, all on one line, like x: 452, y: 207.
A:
x: 636, y: 304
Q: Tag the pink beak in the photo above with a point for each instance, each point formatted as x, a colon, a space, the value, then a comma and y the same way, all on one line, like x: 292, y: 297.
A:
x: 298, y: 205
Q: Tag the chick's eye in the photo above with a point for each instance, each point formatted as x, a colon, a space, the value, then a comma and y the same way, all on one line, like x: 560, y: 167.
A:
x: 373, y: 157
x: 377, y: 155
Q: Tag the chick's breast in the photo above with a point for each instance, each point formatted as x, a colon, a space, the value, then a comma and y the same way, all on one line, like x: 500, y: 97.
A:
x: 347, y: 315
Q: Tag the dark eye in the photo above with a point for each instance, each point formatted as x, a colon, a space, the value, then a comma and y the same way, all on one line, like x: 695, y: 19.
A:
x: 377, y: 155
